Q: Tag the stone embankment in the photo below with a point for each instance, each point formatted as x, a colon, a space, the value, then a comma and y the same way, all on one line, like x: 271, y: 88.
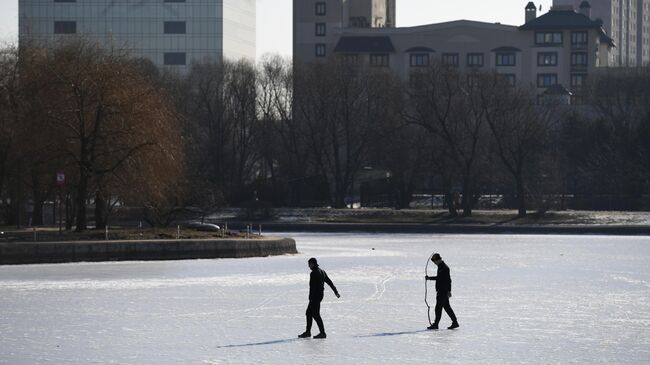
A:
x: 58, y: 252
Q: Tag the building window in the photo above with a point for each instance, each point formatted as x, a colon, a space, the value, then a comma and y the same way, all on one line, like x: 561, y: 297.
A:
x: 547, y: 59
x: 174, y: 27
x: 506, y: 59
x: 350, y: 58
x: 450, y: 59
x: 321, y: 29
x: 65, y: 27
x: 379, y: 60
x: 578, y: 80
x: 579, y: 59
x: 510, y: 79
x: 419, y: 59
x: 546, y: 80
x: 321, y: 8
x: 174, y: 59
x: 579, y: 39
x: 475, y: 59
x: 320, y: 50
x: 174, y: 1
x: 65, y: 1
x: 548, y: 38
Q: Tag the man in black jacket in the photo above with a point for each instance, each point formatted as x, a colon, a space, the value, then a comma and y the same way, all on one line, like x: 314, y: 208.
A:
x: 443, y: 292
x: 317, y: 280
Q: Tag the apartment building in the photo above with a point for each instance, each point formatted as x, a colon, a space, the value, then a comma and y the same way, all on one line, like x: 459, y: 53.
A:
x: 555, y: 51
x: 170, y: 33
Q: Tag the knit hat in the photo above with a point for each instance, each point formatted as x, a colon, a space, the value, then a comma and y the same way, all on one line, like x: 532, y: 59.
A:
x: 313, y: 261
x: 436, y: 257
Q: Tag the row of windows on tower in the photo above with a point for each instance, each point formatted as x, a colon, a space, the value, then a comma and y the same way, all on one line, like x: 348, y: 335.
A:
x: 415, y: 79
x: 172, y: 27
x: 578, y: 80
x: 549, y: 59
x: 579, y: 39
x: 544, y: 59
x: 70, y: 27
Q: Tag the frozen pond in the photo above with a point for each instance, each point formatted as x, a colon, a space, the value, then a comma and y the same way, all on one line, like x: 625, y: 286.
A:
x: 519, y: 299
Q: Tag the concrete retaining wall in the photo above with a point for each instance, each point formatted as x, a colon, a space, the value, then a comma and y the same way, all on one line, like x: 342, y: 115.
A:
x: 56, y: 252
x: 451, y: 228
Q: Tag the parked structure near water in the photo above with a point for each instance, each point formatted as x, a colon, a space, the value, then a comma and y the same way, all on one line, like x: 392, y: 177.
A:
x: 170, y: 33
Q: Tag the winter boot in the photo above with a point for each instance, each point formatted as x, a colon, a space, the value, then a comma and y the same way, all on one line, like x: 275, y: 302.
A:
x: 321, y: 335
x: 453, y: 325
x: 433, y: 327
x: 305, y: 334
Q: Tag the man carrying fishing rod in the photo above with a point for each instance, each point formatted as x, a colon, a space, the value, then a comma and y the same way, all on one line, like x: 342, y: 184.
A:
x: 443, y: 292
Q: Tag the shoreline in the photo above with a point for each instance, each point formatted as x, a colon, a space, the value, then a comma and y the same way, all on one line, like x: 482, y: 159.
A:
x: 617, y: 230
x: 21, y: 253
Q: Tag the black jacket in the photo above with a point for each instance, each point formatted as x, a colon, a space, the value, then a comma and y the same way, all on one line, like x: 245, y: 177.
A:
x: 317, y: 280
x: 443, y: 278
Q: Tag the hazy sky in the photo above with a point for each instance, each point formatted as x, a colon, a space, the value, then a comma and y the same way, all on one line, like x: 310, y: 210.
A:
x: 274, y: 17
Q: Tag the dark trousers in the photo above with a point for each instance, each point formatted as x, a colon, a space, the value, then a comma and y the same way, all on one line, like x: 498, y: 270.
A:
x: 442, y: 301
x: 313, y: 313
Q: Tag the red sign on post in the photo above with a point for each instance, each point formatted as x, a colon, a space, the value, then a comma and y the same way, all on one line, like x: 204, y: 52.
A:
x: 60, y: 178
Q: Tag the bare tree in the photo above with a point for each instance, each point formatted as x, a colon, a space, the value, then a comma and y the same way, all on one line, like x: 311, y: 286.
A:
x: 105, y: 113
x: 223, y: 121
x: 276, y: 111
x: 343, y: 106
x: 520, y: 130
x: 8, y: 120
x: 447, y: 104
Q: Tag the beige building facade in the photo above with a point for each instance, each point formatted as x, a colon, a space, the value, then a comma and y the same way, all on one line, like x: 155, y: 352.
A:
x: 557, y: 49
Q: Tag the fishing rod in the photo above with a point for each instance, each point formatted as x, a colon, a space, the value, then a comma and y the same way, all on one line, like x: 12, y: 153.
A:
x: 426, y: 287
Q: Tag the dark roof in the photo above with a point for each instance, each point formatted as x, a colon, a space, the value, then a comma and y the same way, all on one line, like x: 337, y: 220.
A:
x: 378, y: 44
x: 561, y: 19
x: 585, y: 4
x: 531, y: 5
x: 557, y: 89
x: 420, y: 49
x: 506, y: 49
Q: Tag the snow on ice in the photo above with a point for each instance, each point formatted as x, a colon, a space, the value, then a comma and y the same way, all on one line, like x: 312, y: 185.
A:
x: 519, y: 299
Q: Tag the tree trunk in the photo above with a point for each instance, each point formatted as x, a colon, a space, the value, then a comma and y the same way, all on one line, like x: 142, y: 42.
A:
x: 467, y: 199
x: 449, y: 195
x: 37, y: 215
x: 521, y: 196
x: 100, y: 211
x: 451, y: 205
x: 14, y: 210
x: 82, y: 191
x: 69, y: 212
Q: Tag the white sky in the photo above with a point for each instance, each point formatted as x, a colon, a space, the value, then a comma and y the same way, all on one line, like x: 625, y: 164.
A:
x: 274, y: 17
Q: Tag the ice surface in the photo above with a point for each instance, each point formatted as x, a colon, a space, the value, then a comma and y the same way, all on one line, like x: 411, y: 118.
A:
x: 519, y: 299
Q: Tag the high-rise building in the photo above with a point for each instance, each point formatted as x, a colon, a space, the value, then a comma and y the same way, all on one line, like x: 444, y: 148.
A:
x: 170, y: 33
x: 626, y: 21
x: 317, y: 24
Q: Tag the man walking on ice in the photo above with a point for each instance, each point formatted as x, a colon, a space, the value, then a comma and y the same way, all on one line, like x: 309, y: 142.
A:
x: 443, y: 292
x: 317, y: 280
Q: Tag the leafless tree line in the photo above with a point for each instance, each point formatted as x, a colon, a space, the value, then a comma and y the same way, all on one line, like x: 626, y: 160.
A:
x: 232, y: 133
x: 88, y: 113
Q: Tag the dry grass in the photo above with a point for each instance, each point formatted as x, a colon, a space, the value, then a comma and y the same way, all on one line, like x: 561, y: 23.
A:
x: 50, y: 234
